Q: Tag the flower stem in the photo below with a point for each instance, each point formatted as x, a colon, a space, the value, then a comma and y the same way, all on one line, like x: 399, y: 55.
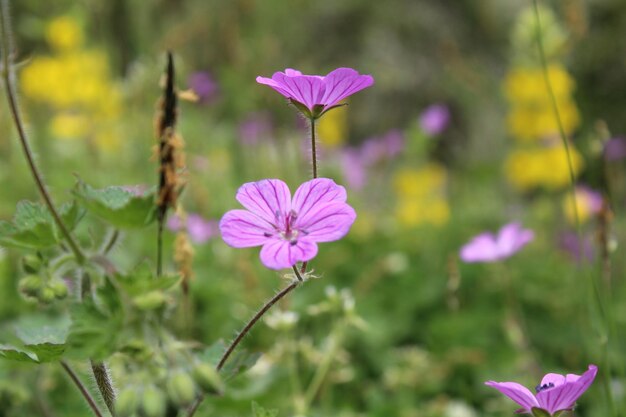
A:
x: 8, y: 76
x: 313, y: 149
x: 246, y: 329
x: 103, y: 380
x: 81, y: 387
x: 603, y: 332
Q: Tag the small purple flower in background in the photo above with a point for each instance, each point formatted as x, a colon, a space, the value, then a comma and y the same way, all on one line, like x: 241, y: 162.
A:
x: 255, y: 128
x: 568, y: 242
x: 288, y: 229
x: 555, y: 393
x: 435, y: 119
x: 355, y: 161
x: 200, y: 229
x: 487, y: 247
x: 615, y: 149
x: 314, y: 95
x: 203, y: 84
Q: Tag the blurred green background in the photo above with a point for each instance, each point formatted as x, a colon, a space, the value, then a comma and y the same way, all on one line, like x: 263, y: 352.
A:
x: 427, y: 329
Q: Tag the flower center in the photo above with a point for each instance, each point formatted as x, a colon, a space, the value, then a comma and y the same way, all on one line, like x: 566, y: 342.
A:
x: 544, y: 387
x: 289, y: 233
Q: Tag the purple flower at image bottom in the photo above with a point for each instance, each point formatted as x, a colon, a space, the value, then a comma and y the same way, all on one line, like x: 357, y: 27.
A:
x: 487, y: 247
x: 314, y: 95
x: 287, y: 229
x: 435, y: 119
x: 555, y: 393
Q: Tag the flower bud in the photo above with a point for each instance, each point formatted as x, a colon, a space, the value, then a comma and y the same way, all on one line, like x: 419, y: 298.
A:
x: 46, y: 295
x: 31, y: 264
x: 153, y: 402
x: 208, y: 379
x: 126, y: 403
x: 59, y: 288
x: 149, y: 301
x: 181, y: 389
x: 30, y: 285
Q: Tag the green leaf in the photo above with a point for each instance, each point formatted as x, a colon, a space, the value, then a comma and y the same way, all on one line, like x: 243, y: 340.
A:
x: 118, y: 206
x: 258, y: 411
x: 33, y: 226
x: 96, y: 325
x: 142, y: 280
x: 43, y: 338
x: 13, y: 353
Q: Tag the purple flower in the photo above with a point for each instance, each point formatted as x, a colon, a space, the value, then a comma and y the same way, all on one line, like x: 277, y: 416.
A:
x: 203, y: 84
x: 487, y: 247
x: 287, y: 228
x: 200, y: 230
x: 254, y: 128
x: 435, y: 119
x: 615, y: 149
x: 569, y: 243
x: 354, y: 168
x: 314, y: 95
x: 555, y: 392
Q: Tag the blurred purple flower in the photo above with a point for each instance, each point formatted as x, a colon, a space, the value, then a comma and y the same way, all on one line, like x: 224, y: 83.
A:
x: 615, y: 149
x: 555, y: 393
x: 568, y: 242
x: 356, y: 161
x: 200, y: 229
x: 354, y: 169
x: 592, y: 198
x: 486, y: 247
x: 288, y: 229
x: 435, y: 119
x: 314, y: 95
x: 254, y: 128
x: 204, y: 85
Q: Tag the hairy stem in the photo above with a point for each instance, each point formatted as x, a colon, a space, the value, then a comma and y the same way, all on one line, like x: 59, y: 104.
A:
x: 81, y: 387
x: 246, y: 329
x: 8, y: 76
x: 159, y: 267
x: 111, y: 242
x: 105, y: 385
x: 313, y: 149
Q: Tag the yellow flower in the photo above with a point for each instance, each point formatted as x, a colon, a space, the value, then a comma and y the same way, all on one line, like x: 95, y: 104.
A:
x: 542, y: 167
x: 69, y: 126
x: 421, y: 196
x: 332, y: 129
x: 588, y: 202
x: 532, y: 115
x: 64, y: 33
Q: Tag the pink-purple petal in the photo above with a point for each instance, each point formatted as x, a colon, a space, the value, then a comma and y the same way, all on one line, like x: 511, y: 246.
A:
x: 280, y: 254
x: 564, y: 396
x: 316, y: 192
x: 326, y: 222
x: 518, y: 393
x: 269, y: 199
x: 342, y: 83
x: 512, y: 237
x: 242, y: 229
x: 481, y: 248
x: 275, y: 85
x: 306, y: 89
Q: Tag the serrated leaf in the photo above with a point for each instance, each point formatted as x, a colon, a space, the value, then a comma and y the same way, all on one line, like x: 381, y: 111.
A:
x: 258, y: 411
x: 13, y: 353
x: 96, y: 326
x: 33, y: 226
x: 117, y: 205
x: 43, y: 336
